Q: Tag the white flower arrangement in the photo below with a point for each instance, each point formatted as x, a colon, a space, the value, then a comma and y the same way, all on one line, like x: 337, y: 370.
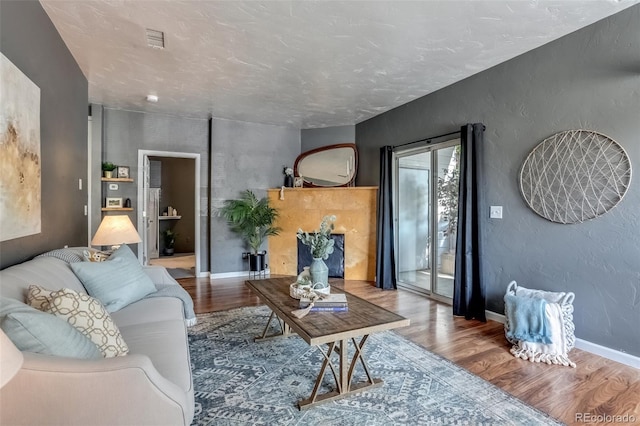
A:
x: 288, y: 171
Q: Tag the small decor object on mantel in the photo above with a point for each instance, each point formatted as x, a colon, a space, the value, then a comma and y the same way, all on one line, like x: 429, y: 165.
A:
x: 288, y: 177
x: 321, y: 245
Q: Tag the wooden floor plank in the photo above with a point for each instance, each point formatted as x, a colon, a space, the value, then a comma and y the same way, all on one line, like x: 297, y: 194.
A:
x: 597, y: 386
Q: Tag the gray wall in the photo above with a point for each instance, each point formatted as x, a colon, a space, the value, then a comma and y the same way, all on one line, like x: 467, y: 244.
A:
x: 244, y: 156
x: 31, y: 42
x: 95, y: 165
x: 315, y: 138
x: 589, y: 79
x: 126, y: 132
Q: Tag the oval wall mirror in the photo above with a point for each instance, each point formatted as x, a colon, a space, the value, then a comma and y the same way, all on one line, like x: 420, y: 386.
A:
x: 331, y: 165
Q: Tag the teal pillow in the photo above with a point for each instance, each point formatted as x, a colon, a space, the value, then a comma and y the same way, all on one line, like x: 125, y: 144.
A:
x: 34, y: 331
x: 116, y: 282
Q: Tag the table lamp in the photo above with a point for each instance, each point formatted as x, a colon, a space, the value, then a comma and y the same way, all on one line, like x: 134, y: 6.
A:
x: 10, y: 359
x: 115, y: 230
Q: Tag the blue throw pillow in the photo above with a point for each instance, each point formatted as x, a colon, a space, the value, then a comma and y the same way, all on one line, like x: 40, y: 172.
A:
x: 34, y: 331
x: 116, y: 282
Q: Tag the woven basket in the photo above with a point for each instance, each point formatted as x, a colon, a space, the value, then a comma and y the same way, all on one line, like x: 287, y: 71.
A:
x: 297, y: 292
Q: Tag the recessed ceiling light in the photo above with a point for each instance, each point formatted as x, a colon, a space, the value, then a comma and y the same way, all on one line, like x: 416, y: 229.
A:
x: 152, y: 98
x: 155, y: 39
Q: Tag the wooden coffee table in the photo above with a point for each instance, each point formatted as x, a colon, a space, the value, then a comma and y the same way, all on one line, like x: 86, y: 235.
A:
x: 334, y: 329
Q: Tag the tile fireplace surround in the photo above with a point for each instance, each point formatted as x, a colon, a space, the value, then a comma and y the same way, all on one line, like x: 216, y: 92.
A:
x: 355, y: 211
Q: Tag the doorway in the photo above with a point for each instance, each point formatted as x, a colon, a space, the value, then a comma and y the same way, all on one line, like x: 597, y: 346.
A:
x: 169, y: 219
x: 426, y: 204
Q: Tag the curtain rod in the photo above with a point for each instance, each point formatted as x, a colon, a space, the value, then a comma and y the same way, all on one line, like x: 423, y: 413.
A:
x: 427, y: 140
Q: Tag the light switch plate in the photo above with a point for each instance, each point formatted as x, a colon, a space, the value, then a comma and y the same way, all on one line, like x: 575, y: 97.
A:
x: 113, y: 186
x: 495, y: 212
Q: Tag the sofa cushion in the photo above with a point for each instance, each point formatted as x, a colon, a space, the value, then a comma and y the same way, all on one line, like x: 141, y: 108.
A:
x: 166, y: 344
x: 149, y: 310
x: 83, y: 312
x: 47, y: 272
x: 34, y: 331
x: 116, y: 282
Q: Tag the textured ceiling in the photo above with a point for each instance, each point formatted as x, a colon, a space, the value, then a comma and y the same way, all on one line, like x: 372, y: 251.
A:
x: 300, y: 63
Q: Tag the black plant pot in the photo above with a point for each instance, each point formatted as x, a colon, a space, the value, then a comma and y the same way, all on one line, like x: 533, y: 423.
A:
x: 257, y: 262
x: 168, y: 251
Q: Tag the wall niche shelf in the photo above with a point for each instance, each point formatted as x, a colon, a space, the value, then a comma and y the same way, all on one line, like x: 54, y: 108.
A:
x: 104, y: 179
x: 117, y: 209
x: 169, y: 217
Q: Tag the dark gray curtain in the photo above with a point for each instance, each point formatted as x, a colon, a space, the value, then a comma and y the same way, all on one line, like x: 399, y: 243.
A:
x: 385, y: 252
x: 469, y: 290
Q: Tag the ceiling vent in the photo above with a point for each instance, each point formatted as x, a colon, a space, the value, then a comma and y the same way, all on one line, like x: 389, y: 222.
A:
x: 155, y: 39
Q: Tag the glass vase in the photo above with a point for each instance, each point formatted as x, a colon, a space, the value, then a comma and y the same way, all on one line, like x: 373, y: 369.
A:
x: 319, y: 272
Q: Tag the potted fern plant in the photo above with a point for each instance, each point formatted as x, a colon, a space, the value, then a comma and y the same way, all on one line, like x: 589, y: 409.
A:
x: 253, y: 220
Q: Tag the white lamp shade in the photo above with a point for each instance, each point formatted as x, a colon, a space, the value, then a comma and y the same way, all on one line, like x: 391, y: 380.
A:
x: 116, y: 230
x: 10, y: 359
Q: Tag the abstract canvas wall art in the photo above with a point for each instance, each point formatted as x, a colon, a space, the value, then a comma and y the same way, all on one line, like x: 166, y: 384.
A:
x: 20, y: 183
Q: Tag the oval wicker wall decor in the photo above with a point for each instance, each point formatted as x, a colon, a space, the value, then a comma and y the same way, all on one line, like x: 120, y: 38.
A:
x: 575, y: 175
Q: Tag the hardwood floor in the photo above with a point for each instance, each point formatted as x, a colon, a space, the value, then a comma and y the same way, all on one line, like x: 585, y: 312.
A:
x: 597, y: 387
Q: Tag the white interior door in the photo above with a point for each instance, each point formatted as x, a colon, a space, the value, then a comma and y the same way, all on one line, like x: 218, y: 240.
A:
x: 153, y: 211
x: 144, y: 214
x: 144, y: 233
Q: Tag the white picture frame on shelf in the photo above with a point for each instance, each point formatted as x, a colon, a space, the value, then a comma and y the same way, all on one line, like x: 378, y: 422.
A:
x: 123, y: 172
x: 113, y: 203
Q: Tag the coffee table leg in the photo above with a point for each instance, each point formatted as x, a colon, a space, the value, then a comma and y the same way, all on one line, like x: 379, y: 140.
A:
x: 343, y: 377
x: 286, y: 330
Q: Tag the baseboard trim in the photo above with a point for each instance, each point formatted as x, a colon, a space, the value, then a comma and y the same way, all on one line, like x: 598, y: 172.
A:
x: 495, y: 316
x: 204, y: 274
x: 612, y: 354
x: 594, y: 348
x: 220, y: 275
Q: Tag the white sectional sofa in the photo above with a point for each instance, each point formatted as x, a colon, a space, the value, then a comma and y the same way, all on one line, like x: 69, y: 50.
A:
x: 152, y: 385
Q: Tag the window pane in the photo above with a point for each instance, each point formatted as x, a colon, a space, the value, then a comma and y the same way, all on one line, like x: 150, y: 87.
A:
x: 414, y: 198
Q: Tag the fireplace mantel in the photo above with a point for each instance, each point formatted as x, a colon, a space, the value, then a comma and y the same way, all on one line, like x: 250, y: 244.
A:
x: 304, y: 208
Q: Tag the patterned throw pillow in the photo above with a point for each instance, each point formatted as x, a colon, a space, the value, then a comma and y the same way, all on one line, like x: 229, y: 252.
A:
x: 83, y: 312
x: 39, y: 297
x: 95, y: 256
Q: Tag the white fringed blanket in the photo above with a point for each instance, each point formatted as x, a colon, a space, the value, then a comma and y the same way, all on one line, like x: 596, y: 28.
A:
x: 559, y: 315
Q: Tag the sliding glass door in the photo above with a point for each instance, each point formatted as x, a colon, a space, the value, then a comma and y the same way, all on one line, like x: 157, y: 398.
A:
x: 426, y: 203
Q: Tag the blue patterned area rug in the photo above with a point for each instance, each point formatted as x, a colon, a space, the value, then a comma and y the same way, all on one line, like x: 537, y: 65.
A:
x: 241, y: 382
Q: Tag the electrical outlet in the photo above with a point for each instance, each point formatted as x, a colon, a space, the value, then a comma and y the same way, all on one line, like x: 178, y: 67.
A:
x: 495, y: 212
x: 113, y: 186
